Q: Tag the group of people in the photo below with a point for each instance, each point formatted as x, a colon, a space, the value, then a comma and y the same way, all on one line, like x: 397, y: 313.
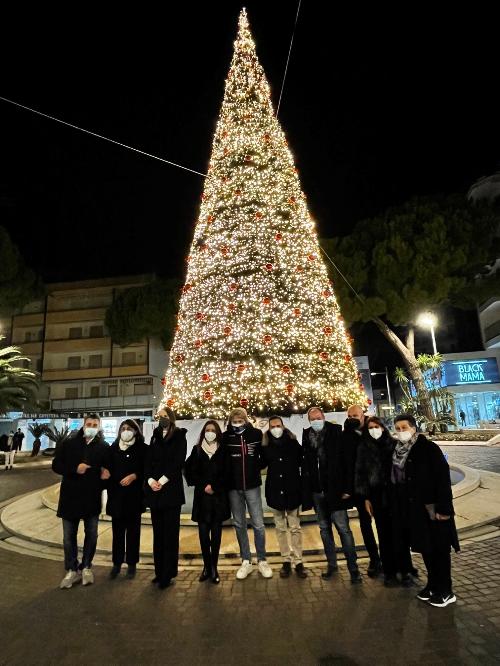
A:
x: 10, y: 444
x: 400, y: 482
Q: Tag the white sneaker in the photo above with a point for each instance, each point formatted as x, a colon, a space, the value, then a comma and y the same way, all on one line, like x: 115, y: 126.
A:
x: 87, y: 577
x: 70, y: 579
x: 244, y: 570
x: 265, y: 569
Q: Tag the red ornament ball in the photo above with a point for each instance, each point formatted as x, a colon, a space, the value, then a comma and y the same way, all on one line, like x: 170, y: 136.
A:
x: 291, y: 200
x: 232, y: 307
x: 210, y: 219
x: 180, y: 358
x: 208, y: 395
x: 290, y: 388
x: 233, y: 286
x: 205, y: 377
x: 241, y: 367
x: 163, y: 381
x: 269, y: 267
x: 224, y: 250
x: 244, y: 402
x: 198, y: 343
x: 278, y: 236
x: 324, y: 356
x: 258, y: 215
x: 328, y: 330
x: 299, y: 269
x: 347, y: 358
x: 286, y: 369
x: 267, y: 339
x: 369, y: 401
x: 327, y: 293
x: 248, y: 158
x: 186, y: 287
x: 266, y: 300
x: 170, y: 402
x: 199, y: 316
x: 267, y: 138
x: 227, y: 330
x: 297, y: 312
x: 311, y: 257
x: 237, y: 193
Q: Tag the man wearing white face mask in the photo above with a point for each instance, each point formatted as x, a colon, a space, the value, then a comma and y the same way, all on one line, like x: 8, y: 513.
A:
x: 81, y: 461
x: 422, y: 508
x: 330, y: 475
x: 242, y: 444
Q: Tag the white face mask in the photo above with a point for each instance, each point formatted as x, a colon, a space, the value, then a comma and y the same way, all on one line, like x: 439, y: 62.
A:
x: 376, y: 433
x: 127, y: 435
x: 318, y: 424
x: 210, y: 436
x: 404, y: 435
x: 90, y: 432
x: 277, y: 432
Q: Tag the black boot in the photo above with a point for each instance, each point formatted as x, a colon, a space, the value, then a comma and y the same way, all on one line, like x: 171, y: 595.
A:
x: 115, y: 571
x: 329, y: 572
x: 286, y: 570
x: 131, y: 571
x: 205, y: 574
x: 300, y: 571
x: 374, y: 568
x: 215, y: 575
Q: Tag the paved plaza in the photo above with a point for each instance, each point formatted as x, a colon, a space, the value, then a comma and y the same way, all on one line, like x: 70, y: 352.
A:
x: 255, y: 621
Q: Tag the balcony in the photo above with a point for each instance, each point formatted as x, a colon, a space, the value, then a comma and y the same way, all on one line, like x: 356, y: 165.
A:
x: 129, y: 370
x: 28, y: 320
x: 29, y: 348
x: 117, y: 402
x: 492, y: 335
x: 69, y: 316
x: 70, y: 345
x: 59, y: 374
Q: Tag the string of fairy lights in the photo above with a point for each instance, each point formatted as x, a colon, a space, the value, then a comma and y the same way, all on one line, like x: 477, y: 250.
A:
x: 258, y: 323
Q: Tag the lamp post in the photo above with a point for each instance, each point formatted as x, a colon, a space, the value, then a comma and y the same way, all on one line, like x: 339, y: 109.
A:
x: 388, y: 386
x: 429, y: 320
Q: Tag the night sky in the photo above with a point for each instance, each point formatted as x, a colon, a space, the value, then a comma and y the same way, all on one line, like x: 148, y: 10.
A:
x: 377, y: 107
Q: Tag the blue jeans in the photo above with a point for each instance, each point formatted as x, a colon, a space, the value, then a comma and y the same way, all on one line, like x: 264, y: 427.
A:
x: 239, y: 501
x: 341, y: 521
x: 70, y: 531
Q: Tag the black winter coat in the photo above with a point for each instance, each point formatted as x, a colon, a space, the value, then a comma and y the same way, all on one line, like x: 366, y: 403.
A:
x: 336, y: 475
x: 201, y: 471
x: 372, y: 475
x: 126, y: 501
x: 427, y: 481
x: 165, y: 457
x: 243, y: 458
x: 284, y: 459
x: 80, y: 494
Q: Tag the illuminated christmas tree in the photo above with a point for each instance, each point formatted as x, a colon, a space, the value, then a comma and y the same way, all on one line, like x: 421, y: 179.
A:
x: 258, y: 323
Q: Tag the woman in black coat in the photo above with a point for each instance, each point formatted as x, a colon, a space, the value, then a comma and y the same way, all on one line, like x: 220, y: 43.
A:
x: 205, y: 470
x: 422, y: 505
x: 283, y: 456
x: 164, y: 491
x: 372, y: 475
x: 125, y: 495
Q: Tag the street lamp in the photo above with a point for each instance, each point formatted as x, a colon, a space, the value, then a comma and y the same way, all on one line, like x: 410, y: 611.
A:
x: 388, y: 387
x: 429, y: 320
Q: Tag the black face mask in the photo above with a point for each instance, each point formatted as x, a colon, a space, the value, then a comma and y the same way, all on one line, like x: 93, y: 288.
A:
x: 164, y: 422
x: 353, y: 423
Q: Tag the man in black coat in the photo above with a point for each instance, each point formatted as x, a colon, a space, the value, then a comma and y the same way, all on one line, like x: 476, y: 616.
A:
x: 329, y: 467
x: 352, y: 435
x: 81, y: 462
x: 18, y: 440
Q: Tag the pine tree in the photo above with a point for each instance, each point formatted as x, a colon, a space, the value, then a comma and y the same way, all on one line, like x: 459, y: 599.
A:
x: 258, y: 323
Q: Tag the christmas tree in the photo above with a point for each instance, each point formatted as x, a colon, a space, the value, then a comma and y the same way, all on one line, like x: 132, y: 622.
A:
x: 258, y: 323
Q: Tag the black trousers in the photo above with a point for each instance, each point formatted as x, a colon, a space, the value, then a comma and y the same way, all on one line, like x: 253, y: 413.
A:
x: 166, y: 523
x: 365, y: 524
x: 210, y: 538
x: 383, y: 521
x: 126, y: 538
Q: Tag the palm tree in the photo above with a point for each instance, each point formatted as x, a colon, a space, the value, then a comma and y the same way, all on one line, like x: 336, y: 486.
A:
x: 57, y: 436
x: 37, y: 431
x: 18, y: 385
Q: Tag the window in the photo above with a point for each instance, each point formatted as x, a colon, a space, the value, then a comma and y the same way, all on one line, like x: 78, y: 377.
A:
x: 27, y: 336
x: 142, y: 389
x: 96, y: 331
x: 74, y: 362
x: 94, y: 391
x: 71, y: 392
x: 75, y: 332
x: 95, y: 361
x: 112, y: 391
x: 128, y: 358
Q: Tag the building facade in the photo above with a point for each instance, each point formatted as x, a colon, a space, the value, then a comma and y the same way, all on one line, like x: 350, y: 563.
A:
x: 82, y: 369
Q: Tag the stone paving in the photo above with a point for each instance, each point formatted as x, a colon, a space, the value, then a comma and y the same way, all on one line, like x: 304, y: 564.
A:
x: 480, y: 457
x: 255, y: 621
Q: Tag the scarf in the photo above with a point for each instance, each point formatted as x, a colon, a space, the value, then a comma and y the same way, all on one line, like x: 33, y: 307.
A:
x: 317, y: 439
x: 399, y: 457
x: 210, y: 449
x: 125, y: 445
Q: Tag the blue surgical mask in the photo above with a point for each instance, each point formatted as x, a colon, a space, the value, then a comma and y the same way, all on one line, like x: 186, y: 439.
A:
x: 317, y: 424
x: 90, y: 433
x: 238, y: 427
